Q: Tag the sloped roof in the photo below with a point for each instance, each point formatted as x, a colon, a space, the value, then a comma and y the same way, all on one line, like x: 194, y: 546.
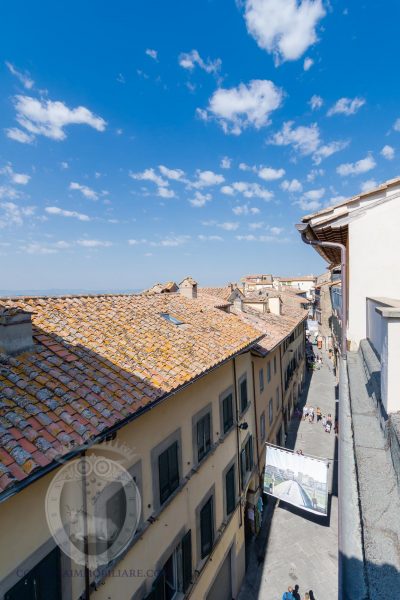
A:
x: 97, y: 361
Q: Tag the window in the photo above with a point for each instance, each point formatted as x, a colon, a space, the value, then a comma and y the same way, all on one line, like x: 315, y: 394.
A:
x: 168, y: 472
x: 275, y: 364
x: 261, y: 378
x: 277, y: 398
x: 246, y: 459
x: 227, y: 412
x: 269, y: 371
x: 271, y: 412
x: 43, y: 581
x: 176, y: 574
x: 262, y: 426
x: 230, y: 490
x: 203, y: 436
x: 171, y: 319
x: 206, y: 528
x: 243, y: 394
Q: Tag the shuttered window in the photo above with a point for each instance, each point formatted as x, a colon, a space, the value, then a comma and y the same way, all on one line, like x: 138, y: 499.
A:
x: 243, y: 395
x: 262, y: 426
x: 206, y: 528
x: 227, y: 412
x: 230, y: 490
x: 246, y: 459
x: 203, y: 436
x: 168, y: 471
x: 43, y: 581
x: 186, y: 560
x: 261, y: 378
x: 271, y: 411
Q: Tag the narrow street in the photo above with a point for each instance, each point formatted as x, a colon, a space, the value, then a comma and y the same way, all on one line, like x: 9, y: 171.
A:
x: 296, y: 547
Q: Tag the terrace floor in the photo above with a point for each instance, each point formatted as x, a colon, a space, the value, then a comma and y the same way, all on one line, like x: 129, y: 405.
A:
x: 296, y: 547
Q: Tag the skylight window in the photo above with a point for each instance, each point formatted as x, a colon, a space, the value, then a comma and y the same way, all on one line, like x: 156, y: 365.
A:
x: 171, y: 319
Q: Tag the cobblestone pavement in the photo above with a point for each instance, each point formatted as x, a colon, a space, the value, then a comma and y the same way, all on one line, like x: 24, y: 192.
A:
x: 296, y: 547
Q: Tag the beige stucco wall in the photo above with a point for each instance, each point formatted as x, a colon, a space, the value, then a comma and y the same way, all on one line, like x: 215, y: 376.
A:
x: 22, y: 517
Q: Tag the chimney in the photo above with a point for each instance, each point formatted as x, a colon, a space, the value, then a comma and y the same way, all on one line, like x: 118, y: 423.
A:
x: 274, y: 305
x: 15, y: 331
x: 188, y: 287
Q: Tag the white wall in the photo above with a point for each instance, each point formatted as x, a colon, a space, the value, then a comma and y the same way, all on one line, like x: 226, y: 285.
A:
x: 374, y: 256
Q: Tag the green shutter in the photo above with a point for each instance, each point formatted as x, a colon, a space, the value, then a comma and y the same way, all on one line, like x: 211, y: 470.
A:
x: 206, y: 528
x: 230, y: 490
x: 173, y: 466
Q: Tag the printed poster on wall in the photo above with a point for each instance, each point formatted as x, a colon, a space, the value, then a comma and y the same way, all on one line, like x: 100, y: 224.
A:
x: 297, y: 479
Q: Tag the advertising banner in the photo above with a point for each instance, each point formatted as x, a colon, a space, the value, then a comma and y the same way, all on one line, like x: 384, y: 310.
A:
x: 297, y: 479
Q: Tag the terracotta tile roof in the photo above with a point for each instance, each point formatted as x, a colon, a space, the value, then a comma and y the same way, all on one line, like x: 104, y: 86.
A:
x: 98, y: 360
x: 274, y: 327
x: 223, y: 293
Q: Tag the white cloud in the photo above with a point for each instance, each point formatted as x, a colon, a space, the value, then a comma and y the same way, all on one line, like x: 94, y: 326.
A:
x: 121, y: 78
x: 276, y: 230
x: 172, y: 241
x: 356, y: 168
x: 152, y: 53
x: 149, y: 175
x: 314, y: 173
x: 210, y: 238
x: 9, y: 192
x: 24, y: 78
x: 245, y: 167
x: 93, y: 244
x: 308, y: 63
x: 291, y: 186
x: 259, y: 238
x: 314, y: 194
x: 245, y: 210
x: 36, y: 248
x: 249, y: 190
x: 228, y: 226
x: 16, y: 134
x: 396, y: 125
x: 285, y: 28
x: 48, y: 118
x: 174, y: 174
x: 54, y: 210
x: 226, y: 163
x: 84, y: 189
x: 368, y: 185
x: 315, y: 102
x: 200, y: 199
x: 346, y: 106
x: 243, y: 106
x: 257, y: 225
x: 327, y: 150
x: 387, y: 152
x: 165, y: 192
x: 17, y: 178
x: 336, y: 200
x: 12, y: 214
x: 133, y: 242
x: 270, y: 174
x: 309, y: 204
x: 188, y: 60
x: 207, y: 178
x: 306, y: 140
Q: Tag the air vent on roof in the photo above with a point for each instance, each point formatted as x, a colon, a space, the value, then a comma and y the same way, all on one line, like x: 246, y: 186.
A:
x: 15, y: 331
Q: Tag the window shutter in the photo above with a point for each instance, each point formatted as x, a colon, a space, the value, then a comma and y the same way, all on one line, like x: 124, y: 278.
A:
x: 173, y: 466
x: 230, y: 490
x: 158, y: 589
x: 250, y: 442
x: 207, y: 432
x: 243, y: 465
x: 163, y: 476
x: 227, y: 412
x: 186, y: 560
x: 206, y: 530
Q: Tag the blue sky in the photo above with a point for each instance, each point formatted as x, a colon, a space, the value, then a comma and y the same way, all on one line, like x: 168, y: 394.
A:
x: 143, y: 142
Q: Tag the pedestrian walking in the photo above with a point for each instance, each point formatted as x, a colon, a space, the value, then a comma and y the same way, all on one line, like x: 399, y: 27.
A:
x: 305, y: 412
x: 296, y: 593
x: 306, y: 596
x: 289, y: 594
x: 311, y: 594
x: 319, y: 414
x: 310, y: 414
x: 324, y: 421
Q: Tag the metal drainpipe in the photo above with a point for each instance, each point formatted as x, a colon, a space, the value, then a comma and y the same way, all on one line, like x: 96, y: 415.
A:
x: 237, y: 442
x: 345, y: 497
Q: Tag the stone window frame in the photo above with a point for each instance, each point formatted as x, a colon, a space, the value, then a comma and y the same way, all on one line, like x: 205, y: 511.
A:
x: 175, y: 436
x: 271, y: 411
x: 262, y: 426
x: 231, y: 463
x: 222, y: 396
x: 210, y: 494
x: 195, y: 419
